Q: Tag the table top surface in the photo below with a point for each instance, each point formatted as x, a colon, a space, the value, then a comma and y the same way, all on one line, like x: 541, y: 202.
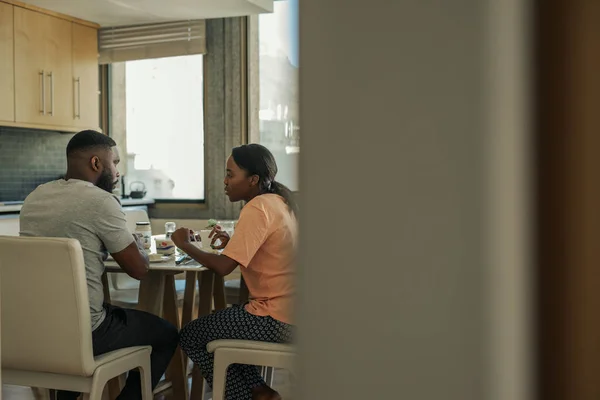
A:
x: 167, y: 266
x: 163, y: 266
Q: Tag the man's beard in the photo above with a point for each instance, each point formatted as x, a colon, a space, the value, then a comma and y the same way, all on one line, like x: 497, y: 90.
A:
x: 105, y: 182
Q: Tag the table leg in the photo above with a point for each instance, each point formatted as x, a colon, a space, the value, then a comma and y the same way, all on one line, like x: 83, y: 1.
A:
x: 152, y: 293
x: 219, y: 293
x: 197, y: 384
x: 206, y: 284
x: 41, y: 393
x: 189, y: 296
x: 176, y: 373
x: 116, y: 384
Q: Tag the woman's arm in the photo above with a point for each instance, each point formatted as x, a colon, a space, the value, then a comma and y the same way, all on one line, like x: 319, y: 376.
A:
x: 221, y: 264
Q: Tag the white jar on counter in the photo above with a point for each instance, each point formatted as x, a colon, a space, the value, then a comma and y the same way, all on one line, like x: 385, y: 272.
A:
x: 145, y: 231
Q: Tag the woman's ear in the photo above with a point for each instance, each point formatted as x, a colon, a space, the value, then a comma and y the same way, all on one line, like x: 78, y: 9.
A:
x: 254, y: 179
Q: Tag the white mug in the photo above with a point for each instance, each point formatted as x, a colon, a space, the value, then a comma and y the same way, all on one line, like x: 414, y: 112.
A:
x: 205, y: 240
x: 164, y: 246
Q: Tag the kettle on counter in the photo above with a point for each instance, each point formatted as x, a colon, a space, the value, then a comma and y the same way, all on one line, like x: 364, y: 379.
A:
x: 137, y: 190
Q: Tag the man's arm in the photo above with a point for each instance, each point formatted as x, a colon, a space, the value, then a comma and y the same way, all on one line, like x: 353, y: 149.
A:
x: 126, y: 249
x: 133, y: 259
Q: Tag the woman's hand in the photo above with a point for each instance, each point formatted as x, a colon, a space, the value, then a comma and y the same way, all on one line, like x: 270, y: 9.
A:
x: 182, y: 237
x: 218, y: 233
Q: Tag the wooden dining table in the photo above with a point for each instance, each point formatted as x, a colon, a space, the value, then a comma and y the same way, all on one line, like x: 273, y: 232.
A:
x: 157, y: 295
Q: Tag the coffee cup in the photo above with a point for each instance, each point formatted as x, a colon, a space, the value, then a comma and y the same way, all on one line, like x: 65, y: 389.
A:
x: 164, y: 246
x: 205, y: 239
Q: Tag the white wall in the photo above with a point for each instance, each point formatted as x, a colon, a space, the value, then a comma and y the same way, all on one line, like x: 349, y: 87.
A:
x: 399, y: 143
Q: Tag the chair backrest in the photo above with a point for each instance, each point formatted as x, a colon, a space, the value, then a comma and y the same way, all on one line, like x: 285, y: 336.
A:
x: 45, y: 313
x: 158, y: 225
x: 134, y: 215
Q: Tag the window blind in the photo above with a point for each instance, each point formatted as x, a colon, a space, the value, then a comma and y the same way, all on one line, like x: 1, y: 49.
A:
x: 138, y: 42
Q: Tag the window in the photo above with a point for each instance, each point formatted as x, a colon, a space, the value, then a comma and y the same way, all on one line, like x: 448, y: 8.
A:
x: 157, y: 120
x: 278, y: 80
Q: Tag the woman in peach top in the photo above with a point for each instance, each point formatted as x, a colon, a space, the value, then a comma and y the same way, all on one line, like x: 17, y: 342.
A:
x: 263, y: 246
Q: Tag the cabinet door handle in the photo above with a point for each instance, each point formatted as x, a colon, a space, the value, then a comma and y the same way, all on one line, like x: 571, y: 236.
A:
x: 43, y: 93
x: 51, y: 76
x: 78, y: 81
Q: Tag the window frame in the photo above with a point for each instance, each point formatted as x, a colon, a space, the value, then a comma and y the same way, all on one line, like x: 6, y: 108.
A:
x: 105, y: 121
x: 225, y: 65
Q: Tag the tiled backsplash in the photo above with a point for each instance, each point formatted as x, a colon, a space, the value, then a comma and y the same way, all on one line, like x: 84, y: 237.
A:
x: 29, y: 158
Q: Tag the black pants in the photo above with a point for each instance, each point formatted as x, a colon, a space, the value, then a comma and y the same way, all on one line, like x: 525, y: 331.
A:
x: 125, y: 328
x: 232, y: 323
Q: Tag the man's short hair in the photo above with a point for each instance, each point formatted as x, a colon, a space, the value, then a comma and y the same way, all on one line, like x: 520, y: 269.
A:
x: 87, y: 140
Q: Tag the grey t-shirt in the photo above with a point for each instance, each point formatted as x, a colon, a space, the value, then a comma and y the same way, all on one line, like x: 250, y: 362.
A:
x: 79, y: 210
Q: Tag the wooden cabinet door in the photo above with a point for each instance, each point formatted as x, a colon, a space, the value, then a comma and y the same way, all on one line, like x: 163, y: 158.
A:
x: 7, y: 78
x: 43, y: 69
x: 85, y: 77
x: 59, y: 75
x: 30, y: 68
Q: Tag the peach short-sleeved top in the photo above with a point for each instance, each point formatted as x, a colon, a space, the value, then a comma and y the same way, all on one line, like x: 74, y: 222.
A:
x: 264, y: 245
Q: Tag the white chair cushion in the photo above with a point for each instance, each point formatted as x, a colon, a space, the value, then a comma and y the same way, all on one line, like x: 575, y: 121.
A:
x: 113, y: 355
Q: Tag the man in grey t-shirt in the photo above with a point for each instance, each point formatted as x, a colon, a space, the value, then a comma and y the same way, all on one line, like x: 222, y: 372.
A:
x: 80, y: 210
x: 82, y: 207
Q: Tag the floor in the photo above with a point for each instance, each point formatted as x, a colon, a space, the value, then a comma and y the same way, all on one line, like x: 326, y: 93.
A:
x: 281, y: 383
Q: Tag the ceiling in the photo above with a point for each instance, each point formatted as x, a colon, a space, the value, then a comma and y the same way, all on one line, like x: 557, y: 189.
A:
x: 129, y: 12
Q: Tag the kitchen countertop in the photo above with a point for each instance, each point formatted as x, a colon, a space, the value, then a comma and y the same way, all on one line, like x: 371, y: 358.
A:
x: 10, y: 208
x: 137, y: 202
x: 15, y: 206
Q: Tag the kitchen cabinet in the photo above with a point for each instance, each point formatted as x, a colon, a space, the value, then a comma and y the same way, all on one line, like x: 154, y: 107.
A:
x: 7, y: 78
x: 43, y: 69
x: 85, y: 77
x: 48, y: 70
